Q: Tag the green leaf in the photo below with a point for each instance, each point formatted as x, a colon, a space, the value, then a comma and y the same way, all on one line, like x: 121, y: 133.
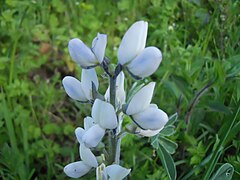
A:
x: 167, y: 162
x: 219, y: 107
x: 168, y: 131
x: 225, y: 172
x: 169, y: 145
x: 172, y: 119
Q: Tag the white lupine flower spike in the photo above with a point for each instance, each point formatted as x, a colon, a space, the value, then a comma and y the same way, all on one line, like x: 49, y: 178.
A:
x: 107, y: 114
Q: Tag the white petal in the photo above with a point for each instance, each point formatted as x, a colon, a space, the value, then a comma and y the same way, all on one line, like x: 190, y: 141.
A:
x: 88, y: 122
x: 146, y: 63
x: 99, y: 45
x: 151, y: 118
x: 76, y: 169
x: 120, y: 93
x: 147, y: 133
x: 141, y: 100
x: 93, y: 136
x: 81, y: 54
x: 104, y: 114
x: 106, y: 96
x: 116, y: 172
x: 79, y: 132
x: 133, y: 42
x: 73, y: 88
x: 87, y: 156
x: 89, y: 76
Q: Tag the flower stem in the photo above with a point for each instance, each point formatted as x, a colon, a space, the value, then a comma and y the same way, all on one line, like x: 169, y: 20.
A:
x: 113, y: 90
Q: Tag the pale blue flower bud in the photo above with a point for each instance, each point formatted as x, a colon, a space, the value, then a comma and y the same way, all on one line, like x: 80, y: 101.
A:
x: 133, y: 42
x: 146, y: 63
x: 76, y: 169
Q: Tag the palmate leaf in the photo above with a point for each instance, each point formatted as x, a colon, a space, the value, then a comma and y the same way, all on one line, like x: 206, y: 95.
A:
x: 167, y: 162
x: 169, y: 145
x: 225, y: 172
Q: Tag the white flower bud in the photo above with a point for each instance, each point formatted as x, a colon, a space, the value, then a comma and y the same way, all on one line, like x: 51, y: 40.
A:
x: 93, y: 136
x: 76, y: 169
x: 120, y: 93
x: 79, y: 132
x: 99, y: 44
x: 81, y: 53
x: 89, y: 76
x: 104, y: 114
x: 151, y: 118
x: 74, y: 88
x: 87, y: 156
x: 133, y: 42
x: 88, y: 122
x: 116, y: 172
x: 141, y: 100
x: 146, y: 63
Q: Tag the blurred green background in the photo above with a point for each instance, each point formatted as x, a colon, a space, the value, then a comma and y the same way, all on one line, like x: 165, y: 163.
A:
x: 198, y: 78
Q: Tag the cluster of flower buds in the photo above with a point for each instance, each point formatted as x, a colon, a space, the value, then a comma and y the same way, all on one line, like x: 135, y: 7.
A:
x: 107, y: 111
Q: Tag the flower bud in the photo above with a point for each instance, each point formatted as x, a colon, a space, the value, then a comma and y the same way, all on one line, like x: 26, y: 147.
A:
x: 120, y: 92
x: 117, y: 172
x: 99, y: 44
x: 87, y: 156
x: 74, y: 89
x: 146, y: 63
x: 133, y: 42
x: 104, y: 114
x: 141, y: 100
x: 89, y: 76
x: 76, y: 169
x: 81, y: 53
x: 93, y: 136
x: 151, y: 118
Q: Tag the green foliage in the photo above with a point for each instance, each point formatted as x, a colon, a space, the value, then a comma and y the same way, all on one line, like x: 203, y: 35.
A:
x: 198, y: 78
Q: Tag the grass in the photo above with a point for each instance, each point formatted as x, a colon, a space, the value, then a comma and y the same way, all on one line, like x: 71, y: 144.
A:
x: 198, y: 79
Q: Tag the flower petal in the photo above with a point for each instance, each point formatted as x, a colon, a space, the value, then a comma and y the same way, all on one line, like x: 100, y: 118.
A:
x: 81, y: 53
x: 79, y: 132
x: 147, y: 133
x: 88, y: 122
x: 151, y: 118
x: 99, y: 45
x: 73, y: 88
x: 93, y: 136
x: 89, y: 76
x: 104, y: 114
x: 133, y: 42
x: 141, y: 100
x: 116, y: 172
x: 120, y: 93
x: 146, y: 63
x: 76, y: 169
x: 87, y: 156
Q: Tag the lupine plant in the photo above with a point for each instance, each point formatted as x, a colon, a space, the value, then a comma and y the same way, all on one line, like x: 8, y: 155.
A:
x: 109, y: 110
